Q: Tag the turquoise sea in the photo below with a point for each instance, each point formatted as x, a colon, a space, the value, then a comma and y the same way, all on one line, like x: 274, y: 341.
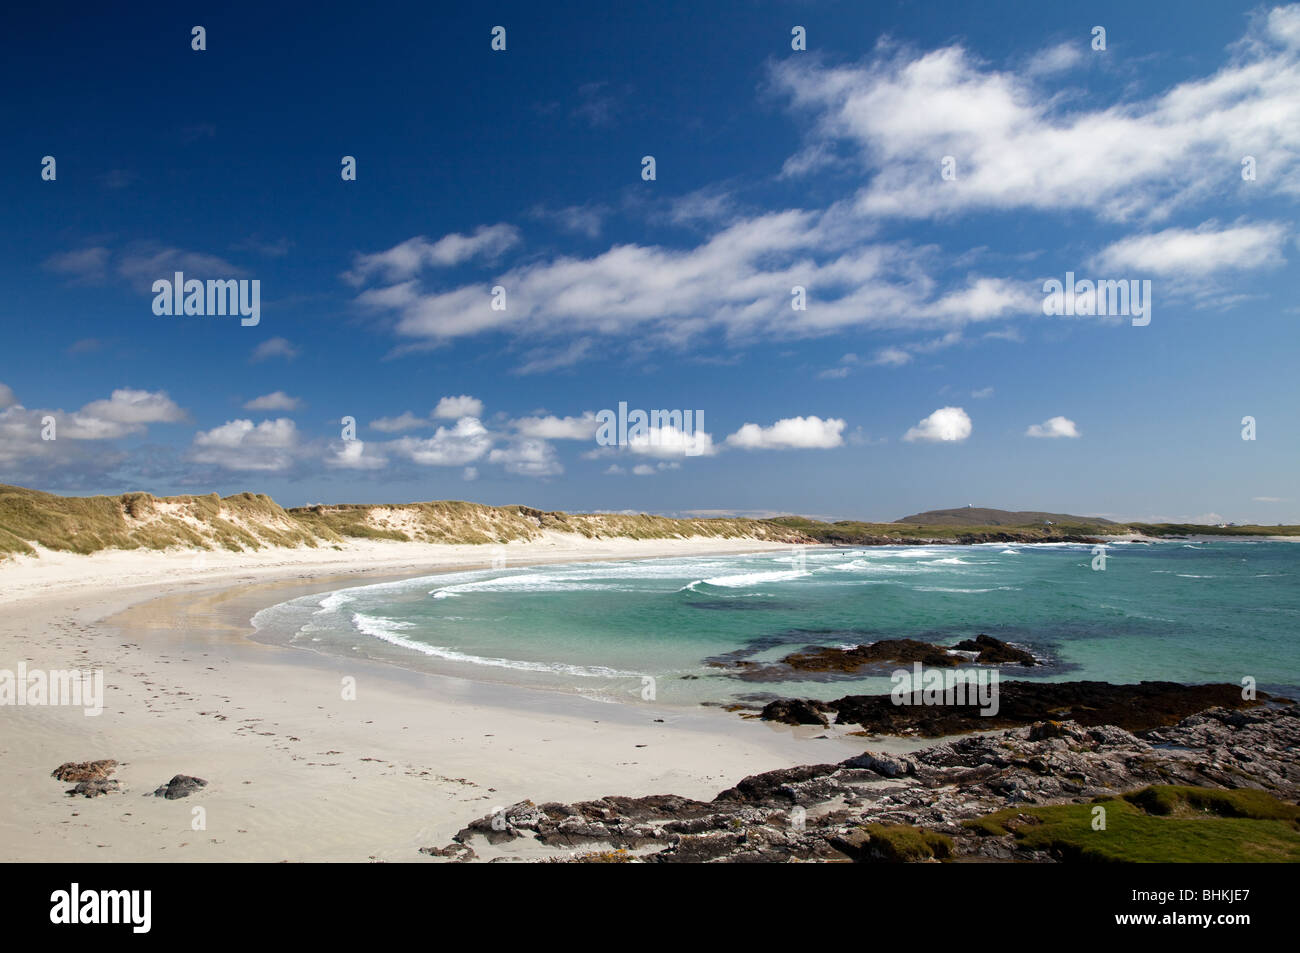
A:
x: 643, y: 630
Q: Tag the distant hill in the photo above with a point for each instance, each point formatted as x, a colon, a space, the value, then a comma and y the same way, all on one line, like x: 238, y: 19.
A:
x: 983, y: 516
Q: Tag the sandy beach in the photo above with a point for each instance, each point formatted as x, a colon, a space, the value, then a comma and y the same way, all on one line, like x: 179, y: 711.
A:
x: 297, y: 773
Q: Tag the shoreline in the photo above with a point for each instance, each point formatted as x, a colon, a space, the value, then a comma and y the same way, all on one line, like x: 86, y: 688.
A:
x: 295, y: 771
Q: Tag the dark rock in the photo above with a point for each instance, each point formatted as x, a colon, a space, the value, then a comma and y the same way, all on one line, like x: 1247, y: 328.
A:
x: 182, y: 785
x: 1139, y: 707
x: 995, y: 652
x: 795, y: 711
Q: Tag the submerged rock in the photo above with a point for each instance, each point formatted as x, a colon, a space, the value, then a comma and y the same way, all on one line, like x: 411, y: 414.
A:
x: 877, y: 656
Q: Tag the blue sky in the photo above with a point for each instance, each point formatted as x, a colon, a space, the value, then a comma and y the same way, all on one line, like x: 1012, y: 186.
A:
x: 923, y: 372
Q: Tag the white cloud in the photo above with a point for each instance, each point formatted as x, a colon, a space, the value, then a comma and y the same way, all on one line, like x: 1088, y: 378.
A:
x: 643, y: 469
x: 243, y: 445
x: 125, y: 412
x: 1053, y: 427
x: 277, y: 400
x: 528, y: 457
x: 669, y: 441
x: 738, y: 279
x: 135, y: 407
x: 982, y: 393
x: 791, y: 433
x: 1018, y: 145
x: 463, y: 406
x: 454, y: 446
x: 558, y: 428
x: 407, y: 259
x: 892, y: 357
x: 1200, y: 251
x: 1057, y: 59
x: 947, y: 424
x: 274, y: 347
x: 353, y: 455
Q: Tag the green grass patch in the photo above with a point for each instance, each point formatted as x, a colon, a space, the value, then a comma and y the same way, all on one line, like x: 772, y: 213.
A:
x: 901, y: 843
x: 1159, y: 824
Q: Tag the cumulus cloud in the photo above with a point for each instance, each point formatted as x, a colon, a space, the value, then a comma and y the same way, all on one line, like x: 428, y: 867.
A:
x: 1053, y: 427
x: 947, y: 424
x: 126, y: 411
x: 455, y: 446
x: 670, y: 441
x: 462, y: 406
x: 791, y: 433
x: 277, y: 400
x: 558, y: 428
x: 354, y: 455
x: 79, y: 449
x: 528, y: 456
x: 242, y: 445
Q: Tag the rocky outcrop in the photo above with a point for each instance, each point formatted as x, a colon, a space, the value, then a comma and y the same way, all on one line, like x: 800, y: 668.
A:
x: 1139, y: 707
x: 875, y: 807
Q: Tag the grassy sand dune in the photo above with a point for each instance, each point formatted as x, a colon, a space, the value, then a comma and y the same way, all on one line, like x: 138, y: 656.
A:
x: 252, y: 521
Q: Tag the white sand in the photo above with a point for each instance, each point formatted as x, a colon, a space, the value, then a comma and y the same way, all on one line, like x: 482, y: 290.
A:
x: 296, y: 772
